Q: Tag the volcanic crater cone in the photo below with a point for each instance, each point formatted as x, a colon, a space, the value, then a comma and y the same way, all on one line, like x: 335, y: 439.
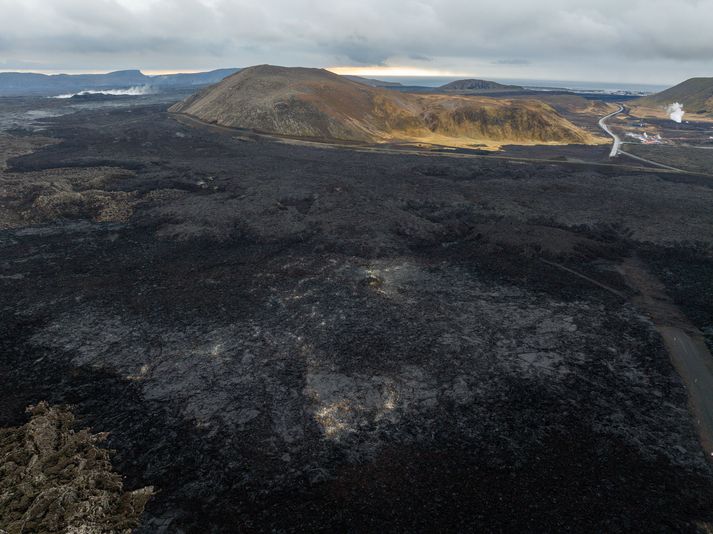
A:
x: 315, y: 103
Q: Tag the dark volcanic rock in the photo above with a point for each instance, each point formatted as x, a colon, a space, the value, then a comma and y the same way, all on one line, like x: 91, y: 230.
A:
x: 287, y: 338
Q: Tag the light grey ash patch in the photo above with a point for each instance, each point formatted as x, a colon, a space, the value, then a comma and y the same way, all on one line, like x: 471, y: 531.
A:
x: 329, y: 361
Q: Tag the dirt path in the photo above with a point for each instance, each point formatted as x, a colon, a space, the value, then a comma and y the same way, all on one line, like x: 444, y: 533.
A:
x: 585, y: 277
x: 694, y: 363
x: 684, y: 342
x: 651, y: 162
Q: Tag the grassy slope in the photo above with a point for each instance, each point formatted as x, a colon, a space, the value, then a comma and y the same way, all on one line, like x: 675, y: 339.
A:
x: 696, y: 96
x: 316, y: 103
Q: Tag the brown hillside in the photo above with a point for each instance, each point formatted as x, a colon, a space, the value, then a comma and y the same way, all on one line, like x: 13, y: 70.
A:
x: 696, y: 96
x: 316, y: 103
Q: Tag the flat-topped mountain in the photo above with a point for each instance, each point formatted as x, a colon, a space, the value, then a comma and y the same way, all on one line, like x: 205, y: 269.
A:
x: 30, y: 83
x: 478, y: 85
x: 315, y: 103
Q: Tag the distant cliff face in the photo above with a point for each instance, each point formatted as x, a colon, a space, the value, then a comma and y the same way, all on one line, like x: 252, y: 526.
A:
x: 696, y: 96
x: 316, y: 103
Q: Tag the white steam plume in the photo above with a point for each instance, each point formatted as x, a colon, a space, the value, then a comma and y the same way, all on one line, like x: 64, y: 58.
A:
x: 139, y: 90
x: 675, y: 111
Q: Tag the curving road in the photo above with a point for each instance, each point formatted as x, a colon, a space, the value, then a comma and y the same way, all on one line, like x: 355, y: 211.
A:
x: 616, y: 146
x: 617, y: 140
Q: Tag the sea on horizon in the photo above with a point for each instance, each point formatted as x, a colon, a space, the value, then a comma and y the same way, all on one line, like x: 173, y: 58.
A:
x: 607, y: 87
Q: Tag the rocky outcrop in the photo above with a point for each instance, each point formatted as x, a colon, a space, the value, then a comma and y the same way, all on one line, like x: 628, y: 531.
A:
x: 53, y: 479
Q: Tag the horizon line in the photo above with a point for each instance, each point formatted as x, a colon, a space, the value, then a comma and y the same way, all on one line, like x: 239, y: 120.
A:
x: 370, y: 71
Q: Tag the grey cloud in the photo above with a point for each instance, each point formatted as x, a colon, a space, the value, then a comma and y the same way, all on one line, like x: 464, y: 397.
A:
x: 359, y: 51
x: 512, y: 62
x: 561, y: 37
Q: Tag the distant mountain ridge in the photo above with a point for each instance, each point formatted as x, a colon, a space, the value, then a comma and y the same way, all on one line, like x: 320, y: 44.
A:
x: 695, y: 94
x: 476, y: 85
x: 372, y: 82
x: 315, y: 103
x: 27, y: 83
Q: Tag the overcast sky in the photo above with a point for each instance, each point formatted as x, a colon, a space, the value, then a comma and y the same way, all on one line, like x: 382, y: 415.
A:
x: 647, y: 41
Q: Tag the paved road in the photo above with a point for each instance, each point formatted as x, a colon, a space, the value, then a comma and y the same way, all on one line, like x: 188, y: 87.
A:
x: 616, y: 146
x: 617, y: 140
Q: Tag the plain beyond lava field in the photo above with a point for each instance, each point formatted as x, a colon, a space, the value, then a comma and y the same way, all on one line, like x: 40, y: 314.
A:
x: 282, y: 337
